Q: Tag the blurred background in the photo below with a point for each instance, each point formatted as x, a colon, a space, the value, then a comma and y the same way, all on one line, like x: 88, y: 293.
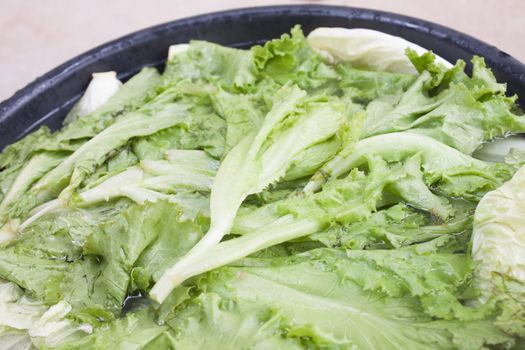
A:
x: 37, y: 35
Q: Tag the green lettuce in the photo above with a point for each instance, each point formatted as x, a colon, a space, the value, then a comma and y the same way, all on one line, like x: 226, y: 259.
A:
x: 447, y: 105
x: 87, y: 265
x: 353, y: 199
x: 431, y: 162
x: 271, y: 198
x: 291, y: 126
x: 137, y: 330
x: 320, y: 299
x: 26, y: 323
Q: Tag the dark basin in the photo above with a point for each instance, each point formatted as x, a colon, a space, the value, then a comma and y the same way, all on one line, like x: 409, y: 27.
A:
x: 48, y: 98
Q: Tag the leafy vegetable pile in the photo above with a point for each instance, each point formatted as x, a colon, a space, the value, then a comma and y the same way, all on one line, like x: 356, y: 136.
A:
x: 272, y: 198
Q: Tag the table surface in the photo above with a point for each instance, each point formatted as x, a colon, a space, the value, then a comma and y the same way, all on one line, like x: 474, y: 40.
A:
x: 37, y: 35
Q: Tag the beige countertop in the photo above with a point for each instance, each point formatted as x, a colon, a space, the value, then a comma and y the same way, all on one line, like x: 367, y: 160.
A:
x: 37, y: 35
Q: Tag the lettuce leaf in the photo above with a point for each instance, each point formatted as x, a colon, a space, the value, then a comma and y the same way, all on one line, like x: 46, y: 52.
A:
x: 137, y: 330
x: 497, y: 247
x: 91, y: 267
x: 26, y: 323
x: 428, y: 162
x: 258, y: 160
x: 449, y: 106
x: 366, y: 48
x: 319, y: 299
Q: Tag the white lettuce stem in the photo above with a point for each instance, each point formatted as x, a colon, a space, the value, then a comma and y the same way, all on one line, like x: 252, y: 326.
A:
x: 282, y: 230
x: 251, y: 166
x: 393, y: 146
x: 101, y: 87
x: 42, y: 210
x: 8, y: 232
x: 187, y: 262
x: 132, y: 125
x: 37, y: 166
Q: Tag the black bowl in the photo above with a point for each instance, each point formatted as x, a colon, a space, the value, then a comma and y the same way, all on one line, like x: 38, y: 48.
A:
x: 48, y: 98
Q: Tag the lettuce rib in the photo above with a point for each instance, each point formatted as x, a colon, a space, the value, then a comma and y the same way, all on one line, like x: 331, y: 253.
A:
x: 260, y: 159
